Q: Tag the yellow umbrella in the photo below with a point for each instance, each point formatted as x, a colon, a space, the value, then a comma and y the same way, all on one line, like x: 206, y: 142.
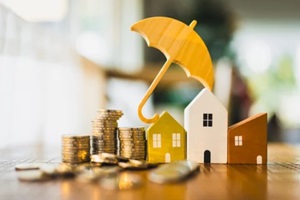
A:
x: 180, y: 44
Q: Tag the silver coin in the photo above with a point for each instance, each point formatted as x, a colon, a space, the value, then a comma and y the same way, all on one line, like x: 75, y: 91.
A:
x: 173, y: 172
x: 122, y: 181
x: 61, y: 169
x: 132, y: 167
x: 28, y: 166
x: 32, y: 175
x: 93, y: 174
x: 104, y: 160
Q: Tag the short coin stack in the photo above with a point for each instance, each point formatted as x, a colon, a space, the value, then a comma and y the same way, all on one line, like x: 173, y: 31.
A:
x: 104, y: 135
x: 132, y: 143
x: 75, y: 148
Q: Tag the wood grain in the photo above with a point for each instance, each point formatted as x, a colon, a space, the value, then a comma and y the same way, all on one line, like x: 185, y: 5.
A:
x: 277, y: 180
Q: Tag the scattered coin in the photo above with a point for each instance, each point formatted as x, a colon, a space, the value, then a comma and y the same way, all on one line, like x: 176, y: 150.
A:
x: 173, y: 172
x: 104, y: 158
x: 122, y: 181
x: 58, y: 170
x: 32, y: 175
x: 28, y: 166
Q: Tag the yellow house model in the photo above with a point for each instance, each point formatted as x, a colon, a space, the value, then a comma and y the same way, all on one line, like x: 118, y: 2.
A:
x: 166, y: 140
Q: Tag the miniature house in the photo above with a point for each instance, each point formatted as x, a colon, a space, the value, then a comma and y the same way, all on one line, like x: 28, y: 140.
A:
x: 205, y: 120
x: 166, y: 140
x: 247, y: 141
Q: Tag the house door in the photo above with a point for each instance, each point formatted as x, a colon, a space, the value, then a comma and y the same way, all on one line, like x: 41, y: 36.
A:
x: 206, y: 156
x: 259, y: 160
x: 167, y: 158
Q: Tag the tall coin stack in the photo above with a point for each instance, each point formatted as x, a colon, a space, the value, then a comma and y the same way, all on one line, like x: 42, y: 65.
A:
x: 75, y: 148
x: 104, y: 133
x: 132, y: 143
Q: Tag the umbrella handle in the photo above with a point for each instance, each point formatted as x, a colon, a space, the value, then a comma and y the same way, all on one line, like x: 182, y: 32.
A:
x: 150, y: 91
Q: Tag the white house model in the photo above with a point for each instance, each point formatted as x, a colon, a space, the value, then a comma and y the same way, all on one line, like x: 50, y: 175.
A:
x: 205, y: 120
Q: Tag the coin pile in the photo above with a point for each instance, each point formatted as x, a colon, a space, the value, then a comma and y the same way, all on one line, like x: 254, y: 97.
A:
x: 132, y: 143
x: 104, y: 132
x: 75, y: 148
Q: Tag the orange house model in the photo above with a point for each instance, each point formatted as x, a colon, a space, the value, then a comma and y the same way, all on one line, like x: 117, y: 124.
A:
x: 247, y: 141
x: 166, y: 140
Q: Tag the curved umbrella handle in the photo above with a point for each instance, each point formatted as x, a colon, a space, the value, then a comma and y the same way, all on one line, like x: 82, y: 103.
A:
x: 149, y: 92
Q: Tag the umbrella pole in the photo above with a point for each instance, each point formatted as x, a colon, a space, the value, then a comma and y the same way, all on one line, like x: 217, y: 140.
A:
x: 150, y: 91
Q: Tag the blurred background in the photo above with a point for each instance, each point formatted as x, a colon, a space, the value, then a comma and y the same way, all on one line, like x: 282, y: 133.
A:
x: 61, y: 60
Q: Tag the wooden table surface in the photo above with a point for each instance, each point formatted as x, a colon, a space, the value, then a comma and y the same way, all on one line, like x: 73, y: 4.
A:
x: 280, y: 179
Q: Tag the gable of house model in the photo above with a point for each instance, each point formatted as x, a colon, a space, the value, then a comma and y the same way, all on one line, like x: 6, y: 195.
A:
x: 205, y: 120
x: 247, y: 141
x: 166, y: 140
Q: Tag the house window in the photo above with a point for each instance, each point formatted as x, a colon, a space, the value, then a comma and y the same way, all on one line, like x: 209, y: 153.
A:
x: 156, y: 141
x: 176, y: 140
x: 207, y: 119
x: 238, y: 140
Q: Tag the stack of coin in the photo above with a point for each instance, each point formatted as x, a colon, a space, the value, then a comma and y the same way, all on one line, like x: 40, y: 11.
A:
x: 132, y: 143
x: 104, y: 135
x: 75, y: 148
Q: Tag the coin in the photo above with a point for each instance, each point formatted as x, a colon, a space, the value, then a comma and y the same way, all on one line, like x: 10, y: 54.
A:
x: 28, y: 166
x: 173, y: 172
x: 92, y: 174
x: 131, y: 128
x: 122, y: 181
x: 32, y: 175
x: 132, y: 142
x: 104, y: 131
x: 58, y: 169
x: 99, y: 158
x: 132, y: 166
x: 75, y: 148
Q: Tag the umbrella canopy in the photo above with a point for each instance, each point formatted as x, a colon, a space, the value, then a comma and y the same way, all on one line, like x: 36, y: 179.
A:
x: 180, y: 44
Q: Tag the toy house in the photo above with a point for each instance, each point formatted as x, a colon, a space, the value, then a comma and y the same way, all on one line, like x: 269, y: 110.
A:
x: 205, y: 120
x: 166, y: 140
x: 247, y: 141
